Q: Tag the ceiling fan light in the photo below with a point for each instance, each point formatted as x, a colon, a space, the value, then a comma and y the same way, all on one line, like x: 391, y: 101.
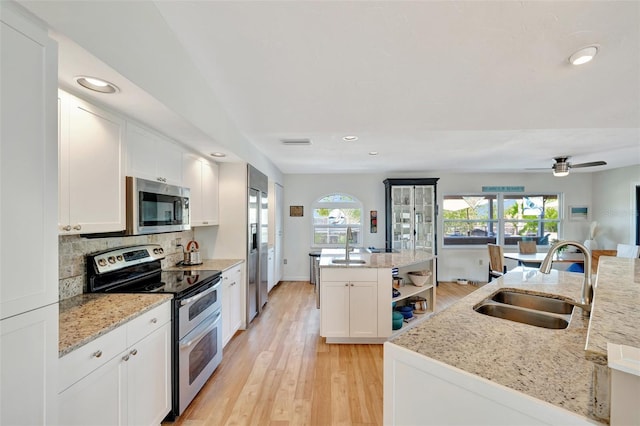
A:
x: 561, y: 173
x: 561, y: 168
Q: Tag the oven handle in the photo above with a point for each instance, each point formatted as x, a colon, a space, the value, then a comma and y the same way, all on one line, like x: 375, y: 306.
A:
x: 200, y: 295
x: 210, y: 327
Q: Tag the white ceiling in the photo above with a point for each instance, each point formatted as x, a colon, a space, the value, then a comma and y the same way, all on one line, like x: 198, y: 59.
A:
x: 430, y: 85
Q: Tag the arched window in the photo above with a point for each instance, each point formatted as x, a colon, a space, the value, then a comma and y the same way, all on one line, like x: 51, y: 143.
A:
x: 332, y: 215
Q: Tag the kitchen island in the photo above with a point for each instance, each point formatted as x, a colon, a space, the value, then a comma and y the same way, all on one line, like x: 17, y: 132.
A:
x: 356, y: 297
x: 473, y: 368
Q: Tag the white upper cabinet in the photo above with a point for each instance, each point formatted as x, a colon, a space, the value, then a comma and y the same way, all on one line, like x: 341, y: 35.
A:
x: 153, y: 157
x: 28, y: 166
x: 91, y: 149
x: 201, y: 177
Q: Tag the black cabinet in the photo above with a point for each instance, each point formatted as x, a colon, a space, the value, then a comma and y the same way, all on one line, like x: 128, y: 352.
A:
x: 410, y: 209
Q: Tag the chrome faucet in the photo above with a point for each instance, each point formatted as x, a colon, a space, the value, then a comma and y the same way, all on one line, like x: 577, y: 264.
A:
x: 587, y: 290
x: 346, y: 246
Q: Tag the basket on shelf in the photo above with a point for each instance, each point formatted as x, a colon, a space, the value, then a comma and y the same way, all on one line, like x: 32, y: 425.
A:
x: 418, y: 278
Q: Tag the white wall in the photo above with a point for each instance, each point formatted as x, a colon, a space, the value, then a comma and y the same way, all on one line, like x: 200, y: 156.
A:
x: 369, y: 189
x: 614, y: 206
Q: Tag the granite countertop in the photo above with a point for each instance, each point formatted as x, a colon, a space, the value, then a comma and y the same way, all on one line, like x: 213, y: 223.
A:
x: 376, y: 260
x: 209, y: 264
x: 615, y: 314
x: 85, y: 317
x: 546, y: 364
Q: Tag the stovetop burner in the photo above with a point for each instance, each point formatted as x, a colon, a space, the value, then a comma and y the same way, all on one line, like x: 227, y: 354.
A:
x: 137, y: 269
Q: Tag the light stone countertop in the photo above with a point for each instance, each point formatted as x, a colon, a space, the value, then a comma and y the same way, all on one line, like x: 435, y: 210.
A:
x: 546, y: 364
x: 615, y: 316
x: 376, y: 260
x: 85, y: 317
x: 209, y: 265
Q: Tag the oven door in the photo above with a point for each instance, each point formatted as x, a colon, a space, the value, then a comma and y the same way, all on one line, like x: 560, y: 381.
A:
x: 199, y: 353
x: 193, y: 310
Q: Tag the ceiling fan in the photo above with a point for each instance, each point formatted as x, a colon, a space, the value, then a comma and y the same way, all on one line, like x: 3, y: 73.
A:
x: 562, y: 165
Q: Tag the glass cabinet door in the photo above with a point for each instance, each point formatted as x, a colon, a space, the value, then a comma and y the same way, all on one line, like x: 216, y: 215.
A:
x: 402, y: 211
x: 424, y: 220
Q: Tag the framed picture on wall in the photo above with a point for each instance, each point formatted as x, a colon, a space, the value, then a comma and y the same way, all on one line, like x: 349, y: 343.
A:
x: 296, y: 211
x: 579, y: 213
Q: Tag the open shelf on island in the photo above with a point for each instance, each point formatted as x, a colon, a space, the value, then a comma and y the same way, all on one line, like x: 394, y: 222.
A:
x: 407, y: 325
x: 410, y: 290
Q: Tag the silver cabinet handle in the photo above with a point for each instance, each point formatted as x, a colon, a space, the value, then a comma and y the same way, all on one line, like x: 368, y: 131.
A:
x: 77, y: 227
x: 154, y: 320
x: 205, y: 223
x: 66, y: 228
x: 126, y: 357
x: 351, y: 284
x: 134, y: 352
x: 161, y: 179
x: 97, y: 353
x: 346, y: 284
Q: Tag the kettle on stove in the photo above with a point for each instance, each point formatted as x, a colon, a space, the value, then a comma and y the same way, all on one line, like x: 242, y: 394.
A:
x: 192, y: 254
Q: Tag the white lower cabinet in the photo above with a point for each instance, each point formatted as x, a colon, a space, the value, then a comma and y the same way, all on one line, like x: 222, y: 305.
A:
x: 231, y: 302
x: 349, y: 303
x: 123, y: 377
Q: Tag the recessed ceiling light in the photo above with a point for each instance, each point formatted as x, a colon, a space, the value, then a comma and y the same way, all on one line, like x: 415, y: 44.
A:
x: 583, y: 55
x: 350, y: 138
x: 218, y: 154
x: 373, y: 152
x: 96, y: 84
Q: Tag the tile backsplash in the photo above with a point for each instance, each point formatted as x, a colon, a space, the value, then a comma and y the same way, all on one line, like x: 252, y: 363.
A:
x: 72, y: 250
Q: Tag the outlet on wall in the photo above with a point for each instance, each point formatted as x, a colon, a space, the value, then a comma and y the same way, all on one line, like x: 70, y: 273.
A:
x: 178, y: 241
x: 284, y: 261
x: 480, y: 262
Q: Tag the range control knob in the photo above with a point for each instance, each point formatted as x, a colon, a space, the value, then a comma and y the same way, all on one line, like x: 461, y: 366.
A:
x: 160, y: 250
x: 119, y: 258
x: 102, y: 262
x: 155, y: 251
x: 111, y: 259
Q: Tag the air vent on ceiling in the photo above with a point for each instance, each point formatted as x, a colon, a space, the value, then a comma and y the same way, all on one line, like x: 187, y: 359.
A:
x: 296, y: 142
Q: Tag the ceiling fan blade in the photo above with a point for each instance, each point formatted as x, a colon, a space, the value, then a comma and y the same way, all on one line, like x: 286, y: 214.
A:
x: 592, y: 164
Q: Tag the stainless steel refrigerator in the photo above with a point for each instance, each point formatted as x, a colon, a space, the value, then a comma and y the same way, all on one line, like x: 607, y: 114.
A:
x: 258, y: 241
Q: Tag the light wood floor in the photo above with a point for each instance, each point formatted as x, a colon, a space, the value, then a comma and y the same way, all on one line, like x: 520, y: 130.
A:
x: 280, y: 371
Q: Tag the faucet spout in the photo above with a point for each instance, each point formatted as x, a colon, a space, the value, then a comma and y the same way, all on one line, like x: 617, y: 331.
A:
x: 346, y: 245
x: 587, y: 290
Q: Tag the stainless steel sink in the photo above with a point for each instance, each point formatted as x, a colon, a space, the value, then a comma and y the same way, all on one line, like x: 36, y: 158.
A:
x: 531, y: 301
x: 349, y: 261
x: 525, y: 316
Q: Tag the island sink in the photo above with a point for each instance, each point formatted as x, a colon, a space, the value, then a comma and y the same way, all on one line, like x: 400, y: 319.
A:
x: 532, y: 301
x: 524, y: 316
x: 536, y: 310
x: 349, y: 261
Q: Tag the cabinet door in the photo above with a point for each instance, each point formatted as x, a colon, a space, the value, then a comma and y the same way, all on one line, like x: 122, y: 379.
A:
x: 402, y: 221
x: 91, y: 150
x: 97, y: 399
x: 192, y: 179
x: 231, y: 303
x: 149, y: 378
x: 28, y: 165
x: 28, y: 367
x: 424, y: 217
x: 363, y: 309
x: 334, y: 309
x: 209, y: 193
x: 153, y: 157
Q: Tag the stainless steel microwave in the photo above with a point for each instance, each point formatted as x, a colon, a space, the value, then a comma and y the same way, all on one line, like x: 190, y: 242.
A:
x: 156, y: 207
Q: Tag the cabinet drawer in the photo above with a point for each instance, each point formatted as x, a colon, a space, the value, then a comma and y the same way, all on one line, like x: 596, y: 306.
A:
x: 82, y: 361
x: 349, y: 274
x: 147, y: 323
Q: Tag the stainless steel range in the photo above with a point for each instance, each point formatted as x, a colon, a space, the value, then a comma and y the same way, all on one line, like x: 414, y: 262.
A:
x: 196, y: 314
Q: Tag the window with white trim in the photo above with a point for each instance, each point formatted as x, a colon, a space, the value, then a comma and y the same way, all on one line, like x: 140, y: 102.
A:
x: 332, y: 215
x: 501, y: 219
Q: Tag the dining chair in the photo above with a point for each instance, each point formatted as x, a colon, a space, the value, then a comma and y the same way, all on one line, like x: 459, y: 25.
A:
x: 497, y: 268
x: 527, y: 247
x: 628, y: 251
